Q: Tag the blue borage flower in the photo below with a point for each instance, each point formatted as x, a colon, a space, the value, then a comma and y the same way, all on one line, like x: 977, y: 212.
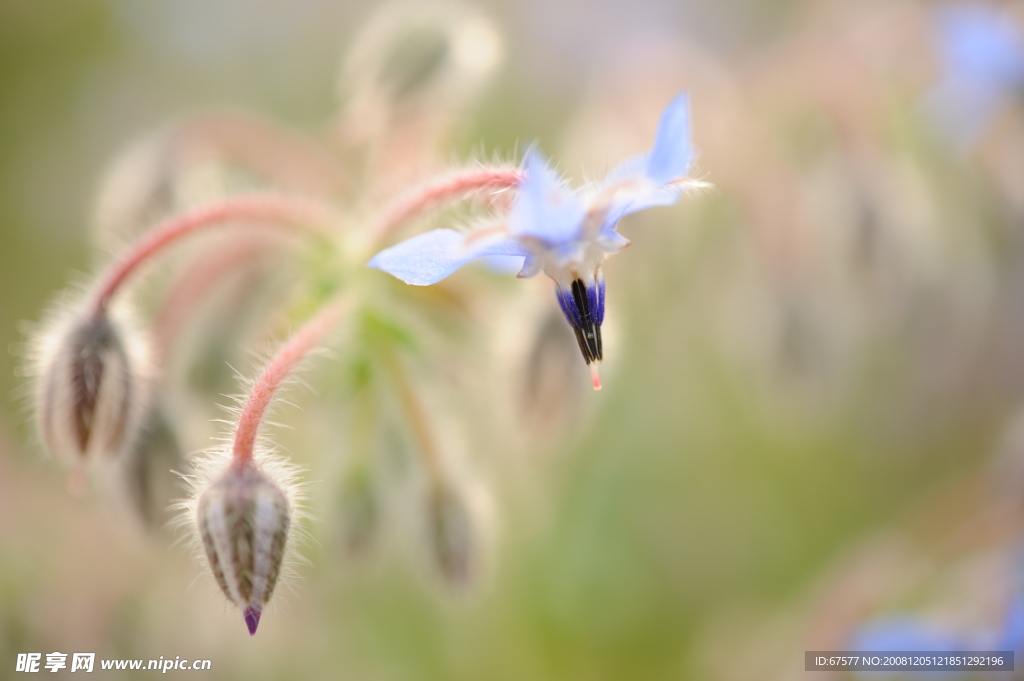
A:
x: 565, y: 233
x: 982, y: 53
x: 906, y: 633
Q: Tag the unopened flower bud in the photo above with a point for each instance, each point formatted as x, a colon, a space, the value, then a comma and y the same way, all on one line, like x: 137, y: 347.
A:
x: 553, y: 382
x: 144, y: 184
x: 359, y: 510
x: 91, y: 387
x: 452, y: 535
x: 148, y: 476
x: 422, y: 61
x: 243, y: 519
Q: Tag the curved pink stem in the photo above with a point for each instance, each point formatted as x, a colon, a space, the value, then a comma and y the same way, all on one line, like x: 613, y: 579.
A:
x: 194, y: 283
x: 242, y: 211
x: 286, y: 157
x: 448, y: 188
x: 276, y: 372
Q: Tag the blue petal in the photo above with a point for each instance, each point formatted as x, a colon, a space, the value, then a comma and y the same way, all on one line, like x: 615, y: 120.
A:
x: 611, y: 242
x: 982, y: 42
x: 912, y: 633
x: 502, y: 264
x: 531, y: 266
x: 544, y: 209
x: 1012, y: 635
x: 633, y: 201
x: 632, y: 169
x: 672, y: 152
x: 645, y: 179
x: 428, y: 258
x: 984, y: 62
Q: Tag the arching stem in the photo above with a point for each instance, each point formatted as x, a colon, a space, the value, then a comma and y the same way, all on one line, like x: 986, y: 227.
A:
x: 195, y: 282
x: 254, y: 210
x: 277, y: 371
x: 287, y: 158
x: 438, y: 191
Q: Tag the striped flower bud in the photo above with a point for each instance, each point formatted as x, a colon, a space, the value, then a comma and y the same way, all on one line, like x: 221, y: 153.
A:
x: 91, y: 387
x: 243, y: 519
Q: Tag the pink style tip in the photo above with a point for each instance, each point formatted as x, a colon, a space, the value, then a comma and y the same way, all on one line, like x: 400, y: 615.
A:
x: 252, y: 619
x: 595, y: 376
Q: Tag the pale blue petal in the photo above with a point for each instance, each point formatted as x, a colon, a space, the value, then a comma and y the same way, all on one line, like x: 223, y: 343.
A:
x: 1012, y: 635
x: 531, y: 267
x: 611, y: 242
x: 632, y: 169
x: 983, y: 42
x: 672, y: 152
x: 913, y: 633
x: 642, y: 182
x: 428, y: 258
x: 543, y: 208
x: 502, y: 264
x: 671, y: 155
x: 983, y: 55
x: 630, y: 202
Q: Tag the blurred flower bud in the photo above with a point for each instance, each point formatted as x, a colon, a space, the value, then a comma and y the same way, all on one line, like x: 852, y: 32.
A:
x: 153, y: 179
x: 148, y: 469
x: 204, y: 157
x: 243, y: 519
x: 359, y: 510
x: 540, y: 358
x: 553, y: 382
x: 416, y: 66
x: 92, y: 386
x: 452, y: 535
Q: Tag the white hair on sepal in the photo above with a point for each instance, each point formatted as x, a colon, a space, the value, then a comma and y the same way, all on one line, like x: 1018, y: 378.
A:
x: 245, y: 516
x: 91, y: 379
x: 272, y: 530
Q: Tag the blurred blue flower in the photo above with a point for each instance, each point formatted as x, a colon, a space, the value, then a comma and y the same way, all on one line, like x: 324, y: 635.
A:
x: 907, y: 633
x: 982, y: 54
x: 563, y: 232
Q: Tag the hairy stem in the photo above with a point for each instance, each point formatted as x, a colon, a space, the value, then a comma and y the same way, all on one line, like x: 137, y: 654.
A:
x: 193, y: 284
x: 287, y: 158
x: 438, y: 191
x: 277, y: 371
x: 240, y: 211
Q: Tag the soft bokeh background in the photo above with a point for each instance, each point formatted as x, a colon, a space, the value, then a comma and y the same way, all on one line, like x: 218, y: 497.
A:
x: 815, y: 363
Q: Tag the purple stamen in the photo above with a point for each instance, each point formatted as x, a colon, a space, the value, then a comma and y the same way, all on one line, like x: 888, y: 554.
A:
x: 568, y: 305
x: 594, y: 303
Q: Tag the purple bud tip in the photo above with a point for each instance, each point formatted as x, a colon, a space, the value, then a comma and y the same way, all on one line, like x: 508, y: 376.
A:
x: 252, y: 619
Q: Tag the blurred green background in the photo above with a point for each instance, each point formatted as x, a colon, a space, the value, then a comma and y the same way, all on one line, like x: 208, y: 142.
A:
x: 826, y: 341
